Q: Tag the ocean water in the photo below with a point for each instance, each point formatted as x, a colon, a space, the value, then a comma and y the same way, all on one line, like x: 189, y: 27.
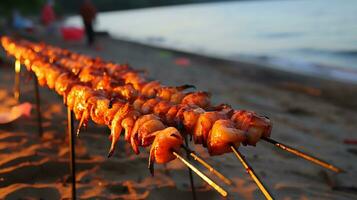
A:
x: 317, y: 37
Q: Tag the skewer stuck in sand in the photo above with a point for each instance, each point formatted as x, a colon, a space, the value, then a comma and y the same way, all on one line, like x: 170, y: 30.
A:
x: 252, y: 173
x: 17, y: 80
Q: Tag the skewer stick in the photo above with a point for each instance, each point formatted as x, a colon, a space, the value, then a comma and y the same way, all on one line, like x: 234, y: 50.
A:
x: 304, y: 155
x: 78, y: 130
x: 194, y: 196
x: 17, y: 80
x: 219, y: 189
x: 71, y: 140
x: 252, y: 173
x: 38, y: 106
x: 208, y: 166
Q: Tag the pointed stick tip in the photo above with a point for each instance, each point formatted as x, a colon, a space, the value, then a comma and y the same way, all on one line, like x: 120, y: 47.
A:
x: 206, y: 165
x: 303, y: 155
x: 251, y: 172
x: 110, y: 154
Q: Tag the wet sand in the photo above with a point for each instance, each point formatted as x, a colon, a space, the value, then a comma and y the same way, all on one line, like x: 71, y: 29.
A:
x: 311, y: 114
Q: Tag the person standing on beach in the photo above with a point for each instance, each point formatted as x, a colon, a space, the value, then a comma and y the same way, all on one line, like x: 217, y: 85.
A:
x: 48, y: 16
x: 88, y: 13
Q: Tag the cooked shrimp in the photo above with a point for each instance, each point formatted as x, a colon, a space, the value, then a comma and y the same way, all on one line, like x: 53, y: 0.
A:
x: 150, y: 88
x: 190, y: 118
x: 64, y: 84
x: 204, y: 125
x: 124, y: 114
x: 166, y: 141
x: 201, y: 99
x: 52, y: 75
x: 161, y: 108
x: 255, y: 126
x: 126, y: 91
x: 72, y: 95
x: 138, y: 103
x: 113, y: 109
x: 99, y: 108
x: 137, y: 129
x: 149, y: 105
x: 172, y: 94
x: 222, y: 136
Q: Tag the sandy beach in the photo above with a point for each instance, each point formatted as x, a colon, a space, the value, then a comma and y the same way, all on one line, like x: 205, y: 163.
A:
x: 308, y: 113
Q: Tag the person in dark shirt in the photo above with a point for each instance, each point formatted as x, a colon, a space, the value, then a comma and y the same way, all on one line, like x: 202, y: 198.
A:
x: 88, y: 13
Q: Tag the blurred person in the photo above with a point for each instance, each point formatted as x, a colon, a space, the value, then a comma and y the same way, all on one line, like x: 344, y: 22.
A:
x: 20, y: 22
x: 88, y: 13
x: 48, y: 16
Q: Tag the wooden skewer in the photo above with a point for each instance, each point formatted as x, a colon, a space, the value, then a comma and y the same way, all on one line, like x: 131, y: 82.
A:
x: 17, y: 80
x: 304, y: 155
x: 72, y: 155
x: 208, y: 166
x: 252, y: 173
x: 78, y: 130
x: 38, y: 105
x: 192, y: 183
x: 219, y: 189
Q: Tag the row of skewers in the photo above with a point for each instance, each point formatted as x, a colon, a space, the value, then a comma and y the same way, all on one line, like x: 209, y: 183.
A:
x: 146, y: 112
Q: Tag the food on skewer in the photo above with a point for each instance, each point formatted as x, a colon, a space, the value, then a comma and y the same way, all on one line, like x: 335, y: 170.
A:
x: 106, y: 75
x: 86, y: 102
x: 119, y: 97
x: 143, y: 131
x: 99, y: 106
x: 64, y: 83
x: 126, y: 92
x: 116, y: 95
x: 201, y: 99
x: 162, y: 108
x: 172, y: 94
x: 222, y: 136
x: 204, y: 125
x: 125, y: 118
x: 166, y: 141
x: 52, y: 74
x: 188, y: 111
x: 254, y: 125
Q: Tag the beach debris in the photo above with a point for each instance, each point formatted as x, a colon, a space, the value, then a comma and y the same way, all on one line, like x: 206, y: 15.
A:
x: 165, y: 54
x: 182, y: 62
x: 302, y: 88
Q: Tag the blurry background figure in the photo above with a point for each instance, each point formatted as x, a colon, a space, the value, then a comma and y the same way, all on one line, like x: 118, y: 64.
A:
x: 20, y: 22
x: 88, y: 13
x: 48, y: 16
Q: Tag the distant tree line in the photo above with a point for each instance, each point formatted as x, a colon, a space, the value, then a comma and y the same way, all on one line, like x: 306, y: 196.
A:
x: 31, y: 7
x: 71, y: 6
x: 25, y: 6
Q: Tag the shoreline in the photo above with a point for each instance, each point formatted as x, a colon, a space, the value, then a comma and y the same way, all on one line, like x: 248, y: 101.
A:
x: 316, y: 70
x: 327, y: 89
